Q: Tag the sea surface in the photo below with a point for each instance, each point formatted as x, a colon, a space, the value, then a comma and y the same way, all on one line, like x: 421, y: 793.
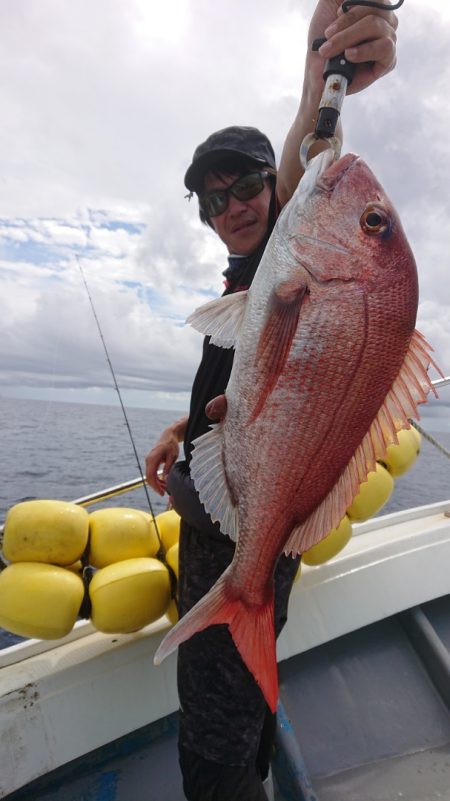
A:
x: 67, y: 450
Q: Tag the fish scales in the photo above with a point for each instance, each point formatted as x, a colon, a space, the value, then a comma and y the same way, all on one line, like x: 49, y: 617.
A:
x: 327, y: 368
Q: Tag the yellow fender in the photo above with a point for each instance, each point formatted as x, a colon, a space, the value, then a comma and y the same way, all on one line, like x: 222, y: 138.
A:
x: 172, y: 612
x: 334, y: 542
x: 169, y: 528
x: 120, y: 533
x: 400, y: 458
x: 76, y: 567
x: 126, y: 596
x: 173, y: 562
x: 172, y: 558
x: 373, y: 494
x: 45, y: 531
x: 39, y: 600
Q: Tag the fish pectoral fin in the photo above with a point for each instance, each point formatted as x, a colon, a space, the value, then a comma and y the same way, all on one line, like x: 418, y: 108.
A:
x: 251, y: 627
x: 210, y: 480
x: 221, y: 319
x: 276, y: 339
x: 408, y: 391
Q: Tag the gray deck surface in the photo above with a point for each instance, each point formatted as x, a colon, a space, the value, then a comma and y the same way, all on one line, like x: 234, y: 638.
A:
x: 423, y: 776
x: 370, y: 722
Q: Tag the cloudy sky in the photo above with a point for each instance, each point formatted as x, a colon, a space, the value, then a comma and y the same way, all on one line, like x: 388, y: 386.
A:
x: 103, y: 103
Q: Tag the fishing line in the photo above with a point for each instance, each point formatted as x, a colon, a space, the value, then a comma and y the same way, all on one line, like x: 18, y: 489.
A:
x: 430, y: 439
x: 119, y: 395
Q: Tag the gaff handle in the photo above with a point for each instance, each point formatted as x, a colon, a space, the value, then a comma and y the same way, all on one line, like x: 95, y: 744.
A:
x: 338, y: 74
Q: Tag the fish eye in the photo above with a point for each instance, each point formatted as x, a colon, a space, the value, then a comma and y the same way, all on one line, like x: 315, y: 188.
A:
x: 374, y: 221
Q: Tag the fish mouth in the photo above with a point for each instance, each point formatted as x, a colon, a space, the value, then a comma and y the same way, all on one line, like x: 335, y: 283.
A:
x: 332, y: 174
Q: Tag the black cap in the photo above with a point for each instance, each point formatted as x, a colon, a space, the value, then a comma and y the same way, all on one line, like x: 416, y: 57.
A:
x: 238, y: 139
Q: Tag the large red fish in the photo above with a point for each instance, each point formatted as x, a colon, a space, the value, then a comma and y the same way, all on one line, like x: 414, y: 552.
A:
x: 328, y: 367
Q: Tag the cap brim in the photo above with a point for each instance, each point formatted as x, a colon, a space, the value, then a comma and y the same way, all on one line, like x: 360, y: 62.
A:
x: 193, y: 180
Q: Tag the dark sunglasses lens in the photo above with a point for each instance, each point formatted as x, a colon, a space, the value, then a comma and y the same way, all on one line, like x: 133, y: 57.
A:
x: 215, y: 203
x: 248, y: 186
x: 243, y: 189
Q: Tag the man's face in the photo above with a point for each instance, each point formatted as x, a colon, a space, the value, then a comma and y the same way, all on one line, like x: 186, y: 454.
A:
x: 243, y: 224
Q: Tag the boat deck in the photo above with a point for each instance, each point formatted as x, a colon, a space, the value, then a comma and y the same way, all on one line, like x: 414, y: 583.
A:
x: 370, y: 710
x: 365, y: 717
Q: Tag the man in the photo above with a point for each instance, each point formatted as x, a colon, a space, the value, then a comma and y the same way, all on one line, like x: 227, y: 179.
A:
x: 226, y: 729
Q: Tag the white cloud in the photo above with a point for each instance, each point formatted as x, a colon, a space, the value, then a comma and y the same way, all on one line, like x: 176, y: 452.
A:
x: 104, y: 104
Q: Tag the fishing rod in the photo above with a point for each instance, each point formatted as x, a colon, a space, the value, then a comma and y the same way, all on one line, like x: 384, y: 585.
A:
x: 160, y: 554
x: 136, y: 482
x: 338, y: 74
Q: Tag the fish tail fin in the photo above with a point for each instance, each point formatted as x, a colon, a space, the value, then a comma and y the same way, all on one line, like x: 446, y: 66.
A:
x: 251, y: 627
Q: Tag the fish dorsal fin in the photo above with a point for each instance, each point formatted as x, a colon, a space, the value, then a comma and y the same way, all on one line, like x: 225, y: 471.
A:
x: 210, y: 480
x: 409, y: 389
x: 221, y: 319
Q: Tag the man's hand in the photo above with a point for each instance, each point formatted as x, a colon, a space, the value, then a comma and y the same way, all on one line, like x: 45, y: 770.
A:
x: 367, y: 37
x: 166, y: 450
x: 216, y: 409
x: 164, y: 453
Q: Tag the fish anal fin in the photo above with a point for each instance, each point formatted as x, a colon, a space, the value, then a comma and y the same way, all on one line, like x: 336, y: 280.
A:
x: 251, y: 627
x: 210, y: 480
x: 221, y: 319
x: 276, y: 339
x: 409, y: 389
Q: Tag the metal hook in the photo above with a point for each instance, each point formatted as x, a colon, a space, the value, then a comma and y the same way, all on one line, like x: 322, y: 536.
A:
x: 310, y: 139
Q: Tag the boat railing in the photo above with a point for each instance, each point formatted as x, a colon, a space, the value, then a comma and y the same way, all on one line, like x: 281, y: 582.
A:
x: 110, y: 492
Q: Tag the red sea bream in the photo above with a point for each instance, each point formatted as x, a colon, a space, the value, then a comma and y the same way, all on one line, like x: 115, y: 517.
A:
x: 328, y: 367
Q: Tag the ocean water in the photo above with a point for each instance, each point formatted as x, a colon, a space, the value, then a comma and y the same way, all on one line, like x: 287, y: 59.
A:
x: 68, y: 450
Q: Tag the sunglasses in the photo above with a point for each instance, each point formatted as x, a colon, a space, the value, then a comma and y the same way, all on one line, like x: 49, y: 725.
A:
x: 216, y: 201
